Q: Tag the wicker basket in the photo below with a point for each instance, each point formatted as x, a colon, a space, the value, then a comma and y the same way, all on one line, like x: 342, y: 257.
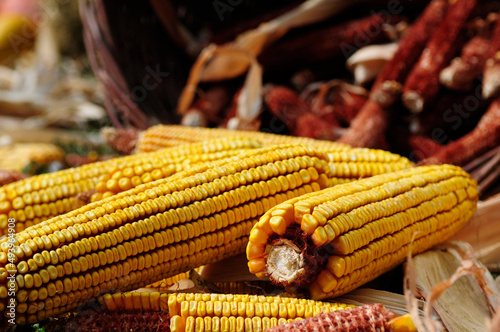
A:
x: 141, y: 67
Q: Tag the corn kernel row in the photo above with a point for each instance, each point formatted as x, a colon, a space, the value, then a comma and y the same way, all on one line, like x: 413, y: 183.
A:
x: 38, y: 198
x: 224, y: 312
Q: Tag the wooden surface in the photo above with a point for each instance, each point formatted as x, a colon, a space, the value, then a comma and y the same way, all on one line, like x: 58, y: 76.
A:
x: 483, y: 231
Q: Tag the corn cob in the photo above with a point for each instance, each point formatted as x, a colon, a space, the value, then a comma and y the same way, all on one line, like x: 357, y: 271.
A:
x: 105, y: 321
x: 224, y: 312
x: 131, y: 175
x: 162, y: 136
x: 346, y: 166
x: 41, y: 197
x: 17, y: 156
x: 153, y: 231
x: 373, y: 317
x: 354, y: 232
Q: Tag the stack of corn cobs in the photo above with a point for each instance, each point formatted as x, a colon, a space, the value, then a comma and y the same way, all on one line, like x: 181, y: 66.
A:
x: 425, y: 87
x: 317, y: 215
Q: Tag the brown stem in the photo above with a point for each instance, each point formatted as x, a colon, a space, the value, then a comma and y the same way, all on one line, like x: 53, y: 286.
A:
x: 490, y: 180
x: 422, y: 84
x: 486, y: 169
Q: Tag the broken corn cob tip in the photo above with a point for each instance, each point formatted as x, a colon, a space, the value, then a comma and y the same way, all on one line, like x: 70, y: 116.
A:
x: 166, y: 162
x: 356, y: 231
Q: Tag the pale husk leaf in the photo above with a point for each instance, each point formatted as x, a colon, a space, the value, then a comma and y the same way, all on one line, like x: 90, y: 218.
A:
x: 225, y: 66
x: 465, y: 299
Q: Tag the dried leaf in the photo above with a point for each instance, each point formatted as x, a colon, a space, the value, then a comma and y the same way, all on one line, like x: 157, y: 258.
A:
x: 451, y: 262
x: 227, y: 65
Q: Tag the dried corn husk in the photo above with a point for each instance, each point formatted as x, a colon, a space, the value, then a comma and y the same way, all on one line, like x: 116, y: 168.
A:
x: 255, y: 40
x: 471, y: 297
x: 368, y: 61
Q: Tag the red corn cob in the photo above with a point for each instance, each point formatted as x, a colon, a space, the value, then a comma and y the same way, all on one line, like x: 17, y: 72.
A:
x: 368, y: 128
x: 422, y: 84
x: 462, y: 71
x: 485, y: 136
x: 389, y: 82
x: 374, y: 317
x: 287, y: 106
x: 7, y: 177
x: 121, y: 140
x: 347, y: 106
x: 336, y: 101
x: 311, y: 125
x: 491, y: 74
x: 112, y: 321
x: 311, y: 45
x: 422, y: 147
x: 209, y: 106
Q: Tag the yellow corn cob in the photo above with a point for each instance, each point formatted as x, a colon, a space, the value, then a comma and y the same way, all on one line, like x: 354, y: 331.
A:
x: 162, y: 136
x: 346, y: 165
x: 41, y: 197
x: 127, y: 176
x: 17, y: 156
x: 220, y: 312
x: 153, y: 231
x: 364, y: 228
